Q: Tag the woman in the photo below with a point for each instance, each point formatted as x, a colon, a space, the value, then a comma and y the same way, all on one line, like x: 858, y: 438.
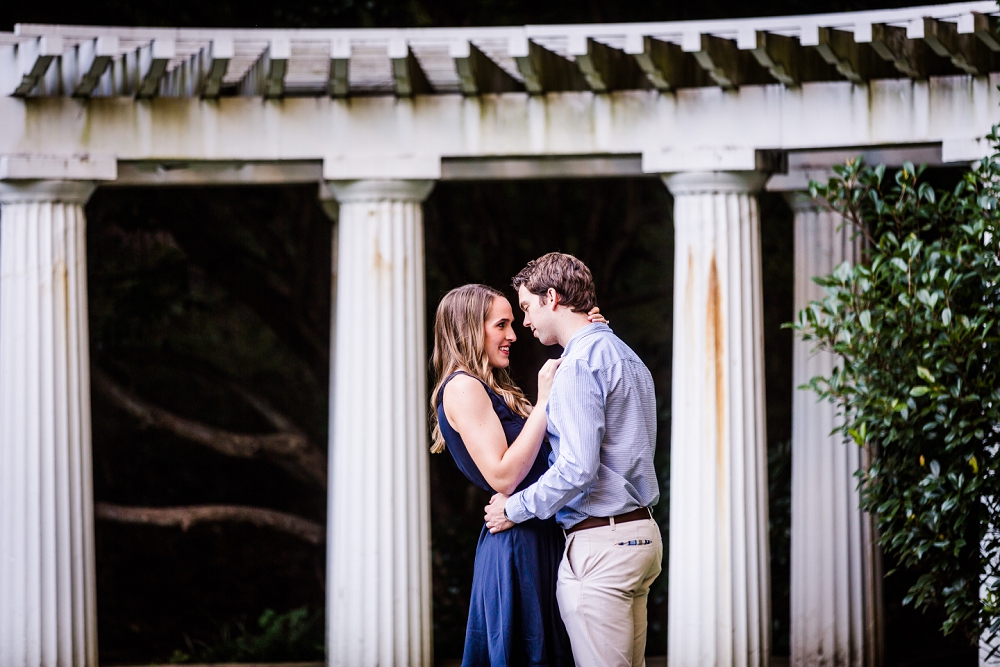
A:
x: 498, y: 442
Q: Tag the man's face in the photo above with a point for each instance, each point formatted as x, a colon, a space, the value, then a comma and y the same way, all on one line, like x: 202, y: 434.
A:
x: 538, y: 317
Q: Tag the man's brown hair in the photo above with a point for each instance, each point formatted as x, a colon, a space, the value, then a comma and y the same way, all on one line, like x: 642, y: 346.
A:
x: 568, y: 276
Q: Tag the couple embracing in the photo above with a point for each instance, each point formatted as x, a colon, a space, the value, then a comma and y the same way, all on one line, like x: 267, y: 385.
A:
x: 551, y: 592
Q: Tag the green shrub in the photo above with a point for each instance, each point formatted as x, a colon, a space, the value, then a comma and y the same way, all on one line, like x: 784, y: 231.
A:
x: 915, y: 327
x: 296, y: 635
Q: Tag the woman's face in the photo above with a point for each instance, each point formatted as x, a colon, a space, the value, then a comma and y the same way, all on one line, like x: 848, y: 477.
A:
x: 499, y: 333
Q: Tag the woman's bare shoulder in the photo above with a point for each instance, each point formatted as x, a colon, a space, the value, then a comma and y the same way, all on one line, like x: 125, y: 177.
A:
x: 464, y: 387
x: 466, y: 399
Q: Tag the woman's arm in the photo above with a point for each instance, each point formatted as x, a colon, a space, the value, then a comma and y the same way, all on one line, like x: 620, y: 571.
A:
x: 470, y: 412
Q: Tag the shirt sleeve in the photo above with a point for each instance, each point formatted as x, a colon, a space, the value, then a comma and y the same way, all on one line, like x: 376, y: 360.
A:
x: 576, y: 413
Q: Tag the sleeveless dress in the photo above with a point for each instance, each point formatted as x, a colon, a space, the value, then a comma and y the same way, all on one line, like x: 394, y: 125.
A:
x: 513, y: 616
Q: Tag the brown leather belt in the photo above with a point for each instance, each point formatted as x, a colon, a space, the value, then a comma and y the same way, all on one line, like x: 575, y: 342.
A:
x: 598, y: 521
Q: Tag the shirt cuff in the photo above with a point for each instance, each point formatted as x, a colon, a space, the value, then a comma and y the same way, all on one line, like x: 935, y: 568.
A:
x: 515, y: 509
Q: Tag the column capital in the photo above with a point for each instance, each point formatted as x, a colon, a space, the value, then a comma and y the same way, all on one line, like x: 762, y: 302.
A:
x: 35, y: 190
x: 706, y: 182
x: 349, y: 192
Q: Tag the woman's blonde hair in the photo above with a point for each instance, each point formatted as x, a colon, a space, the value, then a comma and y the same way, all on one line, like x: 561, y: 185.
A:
x: 459, y: 345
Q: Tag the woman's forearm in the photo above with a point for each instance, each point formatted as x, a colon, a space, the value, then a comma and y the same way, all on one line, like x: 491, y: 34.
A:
x: 520, y: 455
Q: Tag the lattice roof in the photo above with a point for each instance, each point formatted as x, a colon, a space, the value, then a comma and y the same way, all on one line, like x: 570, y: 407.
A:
x: 85, y: 61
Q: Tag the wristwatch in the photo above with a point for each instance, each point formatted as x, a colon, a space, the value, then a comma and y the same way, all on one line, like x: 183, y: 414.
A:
x: 505, y: 513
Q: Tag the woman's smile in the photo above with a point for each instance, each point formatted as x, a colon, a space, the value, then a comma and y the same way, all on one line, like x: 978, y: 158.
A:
x: 498, y: 333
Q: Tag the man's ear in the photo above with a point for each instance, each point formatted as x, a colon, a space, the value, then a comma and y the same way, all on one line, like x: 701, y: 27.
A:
x: 553, y: 296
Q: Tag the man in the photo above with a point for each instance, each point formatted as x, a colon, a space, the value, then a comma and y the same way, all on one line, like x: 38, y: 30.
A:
x: 601, y: 483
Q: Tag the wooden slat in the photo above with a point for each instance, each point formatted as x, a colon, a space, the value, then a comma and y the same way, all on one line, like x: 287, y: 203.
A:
x: 277, y: 57
x: 837, y: 47
x: 93, y: 58
x: 965, y: 52
x: 543, y: 70
x: 152, y: 64
x: 982, y: 26
x: 780, y: 55
x: 267, y: 76
x: 215, y: 61
x: 664, y: 64
x: 477, y: 72
x: 340, y: 68
x: 908, y: 56
x: 604, y: 68
x: 33, y: 59
x: 855, y: 61
x: 720, y: 58
x: 408, y: 77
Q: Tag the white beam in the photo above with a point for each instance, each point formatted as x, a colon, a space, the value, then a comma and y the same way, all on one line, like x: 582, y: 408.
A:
x: 542, y: 70
x: 956, y: 111
x: 982, y: 26
x: 267, y: 76
x: 839, y: 48
x: 218, y: 173
x: 592, y: 61
x: 152, y: 64
x: 311, y: 171
x: 781, y: 55
x: 461, y: 51
x: 477, y: 73
x: 519, y: 48
x: 718, y: 57
x: 215, y: 62
x: 521, y: 168
x: 965, y: 51
x: 92, y: 59
x: 892, y: 45
x: 408, y: 76
x: 32, y: 59
x: 277, y: 55
x: 340, y: 67
x: 52, y: 167
x: 661, y: 62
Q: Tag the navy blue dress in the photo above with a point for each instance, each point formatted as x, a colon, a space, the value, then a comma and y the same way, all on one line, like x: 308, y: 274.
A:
x: 513, y: 616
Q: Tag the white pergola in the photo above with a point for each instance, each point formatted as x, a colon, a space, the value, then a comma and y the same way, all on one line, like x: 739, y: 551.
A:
x: 719, y: 109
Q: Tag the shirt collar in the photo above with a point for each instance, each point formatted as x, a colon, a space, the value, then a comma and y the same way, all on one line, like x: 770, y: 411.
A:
x: 583, y: 332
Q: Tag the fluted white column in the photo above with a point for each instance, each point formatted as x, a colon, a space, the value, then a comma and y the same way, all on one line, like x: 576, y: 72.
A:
x: 47, y: 599
x: 378, y: 584
x: 835, y: 577
x: 719, y: 601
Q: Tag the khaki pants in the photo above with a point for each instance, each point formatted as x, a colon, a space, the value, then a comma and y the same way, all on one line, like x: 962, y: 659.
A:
x: 602, y: 591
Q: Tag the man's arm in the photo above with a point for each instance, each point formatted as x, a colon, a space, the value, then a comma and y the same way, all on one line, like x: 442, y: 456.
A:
x: 576, y: 411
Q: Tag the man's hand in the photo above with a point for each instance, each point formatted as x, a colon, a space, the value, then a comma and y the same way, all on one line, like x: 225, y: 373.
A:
x: 495, y: 519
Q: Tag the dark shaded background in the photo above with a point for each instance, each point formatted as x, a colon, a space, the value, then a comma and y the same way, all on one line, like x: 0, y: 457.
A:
x: 405, y: 13
x: 193, y: 290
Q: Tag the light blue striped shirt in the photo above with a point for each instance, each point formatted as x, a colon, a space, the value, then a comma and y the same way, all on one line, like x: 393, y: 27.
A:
x: 602, y: 427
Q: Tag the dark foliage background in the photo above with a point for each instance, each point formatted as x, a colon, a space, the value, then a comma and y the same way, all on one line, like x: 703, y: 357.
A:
x: 404, y: 13
x: 197, y: 291
x: 194, y: 291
